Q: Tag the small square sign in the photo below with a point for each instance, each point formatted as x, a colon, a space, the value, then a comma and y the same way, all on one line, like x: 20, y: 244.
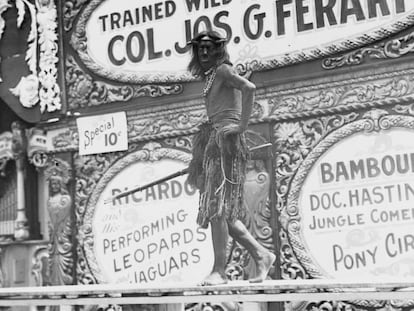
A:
x: 103, y: 133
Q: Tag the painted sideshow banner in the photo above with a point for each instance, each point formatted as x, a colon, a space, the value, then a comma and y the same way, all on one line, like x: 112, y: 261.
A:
x: 151, y: 236
x: 352, y: 197
x: 146, y: 41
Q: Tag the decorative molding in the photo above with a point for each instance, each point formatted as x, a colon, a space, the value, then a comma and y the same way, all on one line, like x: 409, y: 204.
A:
x: 151, y: 124
x: 182, y: 142
x: 178, y: 119
x: 404, y: 108
x: 37, y: 147
x: 27, y: 90
x: 40, y: 269
x: 181, y: 119
x: 84, y: 91
x: 49, y: 92
x: 389, y: 49
x: 71, y: 9
x: 335, y: 306
x: 63, y: 139
x: 292, y: 143
x: 208, y: 306
x: 290, y: 267
x: 168, y: 123
x: 362, y: 305
x: 337, y: 47
x: 41, y: 84
x: 342, y: 96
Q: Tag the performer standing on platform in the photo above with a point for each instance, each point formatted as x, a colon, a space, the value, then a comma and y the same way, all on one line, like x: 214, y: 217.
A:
x: 220, y: 154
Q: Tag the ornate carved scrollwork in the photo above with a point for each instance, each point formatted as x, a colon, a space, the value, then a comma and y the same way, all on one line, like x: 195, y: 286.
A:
x: 71, y: 9
x: 341, y: 46
x: 49, y: 91
x: 84, y: 91
x: 37, y: 147
x: 182, y: 121
x: 293, y: 142
x: 342, y: 97
x: 40, y: 268
x: 331, y: 306
x: 183, y: 142
x: 40, y: 86
x: 298, y: 146
x: 66, y: 139
x: 227, y: 306
x: 389, y: 49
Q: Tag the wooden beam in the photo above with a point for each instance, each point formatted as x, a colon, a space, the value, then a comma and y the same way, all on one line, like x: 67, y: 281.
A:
x: 240, y: 291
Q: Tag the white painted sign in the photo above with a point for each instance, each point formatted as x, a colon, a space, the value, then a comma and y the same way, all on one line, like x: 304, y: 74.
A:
x: 357, y: 209
x: 103, y: 133
x: 128, y: 39
x: 150, y: 237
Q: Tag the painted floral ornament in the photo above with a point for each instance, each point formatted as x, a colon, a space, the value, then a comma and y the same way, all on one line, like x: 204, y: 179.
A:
x: 27, y: 90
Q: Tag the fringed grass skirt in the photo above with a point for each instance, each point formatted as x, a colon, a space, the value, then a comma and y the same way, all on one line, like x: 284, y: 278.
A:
x: 218, y: 170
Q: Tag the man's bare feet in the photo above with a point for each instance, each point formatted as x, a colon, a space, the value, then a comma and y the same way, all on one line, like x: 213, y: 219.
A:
x: 214, y: 278
x: 263, y: 265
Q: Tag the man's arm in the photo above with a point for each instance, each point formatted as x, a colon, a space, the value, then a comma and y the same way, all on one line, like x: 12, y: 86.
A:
x: 247, y: 88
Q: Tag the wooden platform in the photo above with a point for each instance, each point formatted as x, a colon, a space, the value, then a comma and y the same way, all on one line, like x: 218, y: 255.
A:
x: 240, y: 291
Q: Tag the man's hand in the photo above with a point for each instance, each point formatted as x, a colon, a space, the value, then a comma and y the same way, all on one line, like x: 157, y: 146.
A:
x: 248, y: 74
x: 231, y: 129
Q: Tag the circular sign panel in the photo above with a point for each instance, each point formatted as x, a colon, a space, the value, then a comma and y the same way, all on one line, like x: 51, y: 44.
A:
x: 356, y: 206
x: 151, y: 236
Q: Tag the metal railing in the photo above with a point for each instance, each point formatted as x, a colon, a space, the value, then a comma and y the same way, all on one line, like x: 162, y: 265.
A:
x: 240, y: 291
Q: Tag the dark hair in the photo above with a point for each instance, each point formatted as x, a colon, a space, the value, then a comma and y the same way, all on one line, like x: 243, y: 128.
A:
x: 222, y: 55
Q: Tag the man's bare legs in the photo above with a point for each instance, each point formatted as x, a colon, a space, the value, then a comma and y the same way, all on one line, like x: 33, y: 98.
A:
x: 220, y: 230
x: 263, y: 258
x: 220, y: 234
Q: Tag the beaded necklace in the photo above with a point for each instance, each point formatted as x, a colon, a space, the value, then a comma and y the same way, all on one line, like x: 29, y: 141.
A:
x: 210, y: 76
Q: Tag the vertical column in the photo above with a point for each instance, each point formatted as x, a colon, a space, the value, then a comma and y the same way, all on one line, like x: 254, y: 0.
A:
x: 19, y: 144
x: 7, y: 186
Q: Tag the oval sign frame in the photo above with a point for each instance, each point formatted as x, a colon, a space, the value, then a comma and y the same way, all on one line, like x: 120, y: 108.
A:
x: 368, y: 123
x: 256, y: 63
x: 151, y: 152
